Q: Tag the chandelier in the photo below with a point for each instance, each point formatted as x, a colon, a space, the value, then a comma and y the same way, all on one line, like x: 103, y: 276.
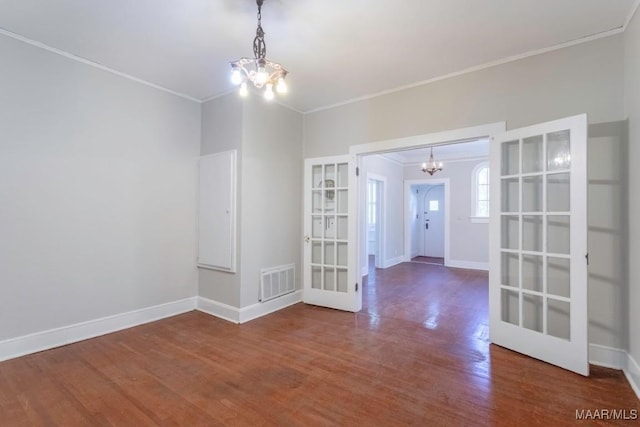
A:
x: 259, y: 70
x: 431, y: 167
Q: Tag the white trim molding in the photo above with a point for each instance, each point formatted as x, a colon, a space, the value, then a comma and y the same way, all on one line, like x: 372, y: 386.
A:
x: 484, y: 66
x: 250, y: 312
x: 469, y: 265
x: 616, y: 358
x: 426, y: 140
x: 607, y: 357
x: 632, y: 372
x: 393, y: 261
x: 263, y: 308
x: 93, y: 64
x: 218, y: 309
x: 52, y: 338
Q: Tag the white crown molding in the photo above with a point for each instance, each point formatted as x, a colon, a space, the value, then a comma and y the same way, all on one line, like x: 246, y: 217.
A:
x: 253, y: 92
x: 45, y: 340
x: 484, y: 66
x: 219, y: 95
x: 633, y: 11
x: 97, y: 65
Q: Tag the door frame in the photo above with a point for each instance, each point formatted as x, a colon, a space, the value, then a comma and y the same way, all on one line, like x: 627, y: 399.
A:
x: 407, y: 225
x: 381, y: 208
x: 432, y: 139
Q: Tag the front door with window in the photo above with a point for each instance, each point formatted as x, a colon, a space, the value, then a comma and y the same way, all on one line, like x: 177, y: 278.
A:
x: 433, y: 222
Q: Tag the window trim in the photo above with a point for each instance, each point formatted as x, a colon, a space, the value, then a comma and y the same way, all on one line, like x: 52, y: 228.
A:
x: 474, y: 217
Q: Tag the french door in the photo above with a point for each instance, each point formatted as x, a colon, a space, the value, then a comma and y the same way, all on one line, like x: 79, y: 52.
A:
x: 330, y: 234
x: 538, y: 242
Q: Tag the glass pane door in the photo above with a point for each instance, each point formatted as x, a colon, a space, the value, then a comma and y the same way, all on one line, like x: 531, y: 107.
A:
x: 327, y: 233
x: 538, y: 269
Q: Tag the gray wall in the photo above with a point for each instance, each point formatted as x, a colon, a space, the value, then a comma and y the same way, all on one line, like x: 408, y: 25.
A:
x: 222, y: 131
x: 469, y: 242
x: 607, y: 234
x: 268, y: 138
x: 586, y: 78
x: 97, y: 192
x: 271, y: 199
x: 393, y: 207
x: 632, y: 112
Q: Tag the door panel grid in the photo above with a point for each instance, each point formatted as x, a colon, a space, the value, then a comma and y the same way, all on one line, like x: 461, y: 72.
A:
x: 538, y: 298
x: 329, y: 237
x: 536, y: 237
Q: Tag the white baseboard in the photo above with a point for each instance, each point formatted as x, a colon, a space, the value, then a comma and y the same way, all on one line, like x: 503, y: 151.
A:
x: 245, y: 314
x: 218, y: 309
x: 365, y: 270
x: 394, y: 261
x: 616, y: 358
x: 607, y: 357
x: 469, y: 265
x: 263, y: 308
x: 45, y: 340
x: 632, y: 372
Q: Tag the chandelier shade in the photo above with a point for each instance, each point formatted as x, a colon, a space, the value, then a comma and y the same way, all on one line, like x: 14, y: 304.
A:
x: 259, y: 71
x: 431, y: 167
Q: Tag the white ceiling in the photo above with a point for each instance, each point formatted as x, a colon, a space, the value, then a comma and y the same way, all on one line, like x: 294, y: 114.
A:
x: 459, y: 151
x: 335, y: 50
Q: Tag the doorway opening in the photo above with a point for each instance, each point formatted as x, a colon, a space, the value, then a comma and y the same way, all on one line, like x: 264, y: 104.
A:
x: 427, y: 220
x: 375, y: 219
x: 397, y: 242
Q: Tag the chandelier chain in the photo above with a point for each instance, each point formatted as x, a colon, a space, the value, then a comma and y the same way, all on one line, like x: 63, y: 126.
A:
x: 259, y: 70
x: 259, y: 45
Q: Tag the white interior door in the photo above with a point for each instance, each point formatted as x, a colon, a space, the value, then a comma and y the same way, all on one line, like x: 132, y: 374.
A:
x: 538, y: 242
x: 330, y: 235
x: 433, y: 222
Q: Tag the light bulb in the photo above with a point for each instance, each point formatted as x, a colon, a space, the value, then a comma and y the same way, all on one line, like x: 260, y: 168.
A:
x: 236, y: 76
x: 244, y: 91
x: 281, y: 87
x: 268, y: 92
x: 261, y: 76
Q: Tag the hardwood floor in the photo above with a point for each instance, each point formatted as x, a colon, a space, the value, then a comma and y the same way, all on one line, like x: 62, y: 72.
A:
x: 417, y: 354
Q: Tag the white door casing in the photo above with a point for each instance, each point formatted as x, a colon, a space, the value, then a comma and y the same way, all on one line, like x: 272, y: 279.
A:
x: 538, y: 242
x: 329, y: 278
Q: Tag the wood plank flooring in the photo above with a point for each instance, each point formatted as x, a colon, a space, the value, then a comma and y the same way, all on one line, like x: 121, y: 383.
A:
x: 417, y: 354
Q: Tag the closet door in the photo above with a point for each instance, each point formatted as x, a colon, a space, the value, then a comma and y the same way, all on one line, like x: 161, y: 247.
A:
x: 217, y: 212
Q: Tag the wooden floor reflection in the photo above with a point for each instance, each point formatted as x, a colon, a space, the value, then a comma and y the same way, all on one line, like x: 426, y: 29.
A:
x: 417, y: 354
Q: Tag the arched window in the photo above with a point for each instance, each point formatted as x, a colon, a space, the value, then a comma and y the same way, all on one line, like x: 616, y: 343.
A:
x: 480, y: 192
